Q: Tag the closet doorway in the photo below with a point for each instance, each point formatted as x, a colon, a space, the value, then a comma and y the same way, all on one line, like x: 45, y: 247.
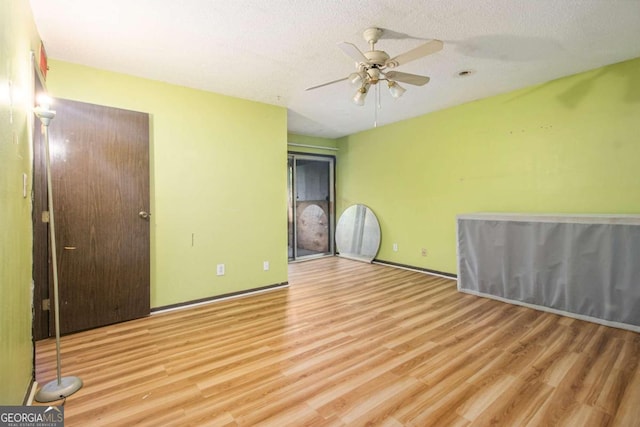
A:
x: 311, y: 215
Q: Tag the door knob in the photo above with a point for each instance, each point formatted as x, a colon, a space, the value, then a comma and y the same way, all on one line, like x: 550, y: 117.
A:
x: 144, y: 214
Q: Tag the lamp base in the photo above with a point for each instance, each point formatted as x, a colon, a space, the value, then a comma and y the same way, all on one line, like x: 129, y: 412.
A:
x: 53, y: 391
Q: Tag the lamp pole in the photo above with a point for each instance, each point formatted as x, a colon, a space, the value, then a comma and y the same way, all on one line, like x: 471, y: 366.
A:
x: 61, y: 387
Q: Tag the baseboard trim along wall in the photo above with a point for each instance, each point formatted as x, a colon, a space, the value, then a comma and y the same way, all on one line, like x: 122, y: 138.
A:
x: 216, y: 298
x: 208, y: 300
x: 418, y: 269
x: 31, y: 392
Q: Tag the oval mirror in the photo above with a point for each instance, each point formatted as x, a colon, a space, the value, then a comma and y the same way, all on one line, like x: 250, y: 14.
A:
x: 358, y: 234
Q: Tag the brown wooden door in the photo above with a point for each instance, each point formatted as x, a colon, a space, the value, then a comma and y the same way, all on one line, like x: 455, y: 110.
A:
x: 100, y: 176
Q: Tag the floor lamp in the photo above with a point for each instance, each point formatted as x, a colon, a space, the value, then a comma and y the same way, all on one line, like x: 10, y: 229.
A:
x: 61, y: 387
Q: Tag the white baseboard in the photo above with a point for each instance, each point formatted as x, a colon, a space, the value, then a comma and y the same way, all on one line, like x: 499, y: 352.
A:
x: 32, y: 393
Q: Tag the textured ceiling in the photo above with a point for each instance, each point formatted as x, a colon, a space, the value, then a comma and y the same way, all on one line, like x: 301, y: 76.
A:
x: 270, y: 51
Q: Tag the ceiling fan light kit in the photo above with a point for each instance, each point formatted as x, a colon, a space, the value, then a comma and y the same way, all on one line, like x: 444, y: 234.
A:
x: 395, y: 89
x: 371, y: 66
x: 360, y: 95
x: 357, y: 78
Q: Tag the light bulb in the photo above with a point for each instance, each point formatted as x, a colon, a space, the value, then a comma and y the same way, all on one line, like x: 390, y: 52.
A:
x: 43, y: 111
x: 360, y: 95
x: 395, y: 89
x: 355, y: 78
x: 44, y: 101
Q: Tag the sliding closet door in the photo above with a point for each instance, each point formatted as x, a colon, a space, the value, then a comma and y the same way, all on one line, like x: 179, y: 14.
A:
x: 311, y: 205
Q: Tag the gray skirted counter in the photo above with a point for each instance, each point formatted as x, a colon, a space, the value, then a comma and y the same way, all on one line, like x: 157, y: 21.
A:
x: 584, y: 266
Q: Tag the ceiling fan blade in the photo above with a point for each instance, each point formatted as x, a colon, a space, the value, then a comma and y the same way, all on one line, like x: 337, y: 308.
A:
x: 326, y: 84
x: 428, y: 48
x: 412, y: 79
x: 352, y: 51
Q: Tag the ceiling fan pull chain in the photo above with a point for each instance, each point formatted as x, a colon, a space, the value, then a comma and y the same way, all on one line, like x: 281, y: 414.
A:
x: 376, y: 107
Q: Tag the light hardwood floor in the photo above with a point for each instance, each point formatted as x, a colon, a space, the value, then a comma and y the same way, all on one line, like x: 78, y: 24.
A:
x: 350, y: 343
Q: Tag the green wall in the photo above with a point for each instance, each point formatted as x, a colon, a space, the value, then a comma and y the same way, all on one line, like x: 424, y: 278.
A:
x: 567, y: 146
x: 218, y: 171
x: 18, y: 38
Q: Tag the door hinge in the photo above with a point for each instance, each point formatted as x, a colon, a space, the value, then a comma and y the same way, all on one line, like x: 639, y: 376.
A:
x: 46, y: 304
x: 45, y: 216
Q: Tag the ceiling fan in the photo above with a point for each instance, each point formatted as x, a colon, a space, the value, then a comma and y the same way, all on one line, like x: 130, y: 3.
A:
x: 371, y: 66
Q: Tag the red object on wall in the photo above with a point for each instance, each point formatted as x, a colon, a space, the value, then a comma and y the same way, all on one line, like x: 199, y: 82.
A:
x: 43, y: 61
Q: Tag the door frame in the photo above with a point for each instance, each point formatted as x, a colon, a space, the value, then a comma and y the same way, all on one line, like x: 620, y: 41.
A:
x: 40, y: 230
x: 331, y: 160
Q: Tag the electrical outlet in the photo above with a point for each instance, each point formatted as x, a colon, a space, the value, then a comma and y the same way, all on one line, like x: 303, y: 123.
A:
x: 265, y: 265
x: 220, y: 270
x: 424, y: 252
x: 395, y: 247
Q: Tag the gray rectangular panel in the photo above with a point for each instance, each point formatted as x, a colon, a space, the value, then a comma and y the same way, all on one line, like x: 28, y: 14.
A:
x: 585, y: 266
